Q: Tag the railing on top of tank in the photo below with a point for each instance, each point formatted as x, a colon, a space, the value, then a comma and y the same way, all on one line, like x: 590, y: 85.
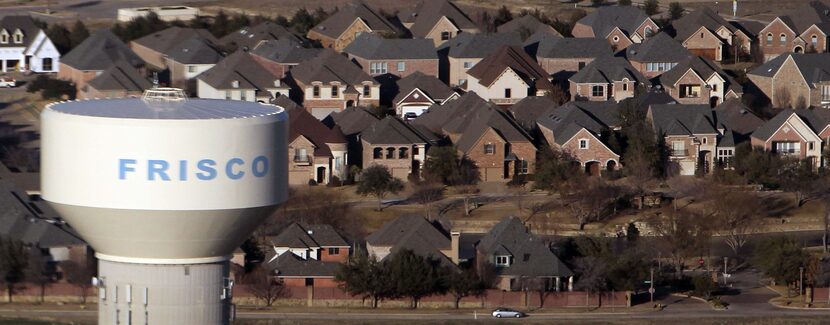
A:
x: 164, y: 94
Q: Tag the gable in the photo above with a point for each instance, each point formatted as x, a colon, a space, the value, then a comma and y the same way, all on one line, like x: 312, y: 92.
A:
x: 488, y: 136
x: 809, y: 32
x: 689, y: 76
x: 508, y: 77
x: 416, y: 96
x: 708, y: 37
x: 573, y: 143
x: 302, y: 142
x: 794, y: 128
x: 790, y: 66
x: 443, y: 24
x: 357, y: 25
x: 776, y: 24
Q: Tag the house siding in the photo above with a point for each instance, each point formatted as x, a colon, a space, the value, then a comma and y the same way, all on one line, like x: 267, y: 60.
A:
x: 457, y: 71
x: 775, y: 48
x: 425, y: 66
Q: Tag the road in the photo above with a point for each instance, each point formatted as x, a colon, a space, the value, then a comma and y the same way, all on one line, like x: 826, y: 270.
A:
x: 80, y: 9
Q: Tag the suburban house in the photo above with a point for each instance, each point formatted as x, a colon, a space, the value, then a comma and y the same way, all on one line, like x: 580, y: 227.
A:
x: 395, y: 145
x: 736, y: 123
x: 436, y: 20
x: 705, y: 33
x: 422, y: 237
x: 183, y: 52
x: 417, y: 92
x: 25, y: 47
x: 315, y: 152
x: 526, y: 26
x: 606, y: 78
x: 803, y: 29
x: 342, y: 27
x: 656, y: 55
x: 520, y: 260
x: 98, y: 52
x: 697, y: 80
x: 352, y: 121
x: 154, y: 48
x: 240, y: 77
x: 508, y: 75
x: 118, y: 81
x: 580, y: 128
x: 795, y: 80
x: 307, y: 255
x: 795, y: 133
x: 249, y: 38
x: 331, y: 83
x: 399, y: 57
x: 690, y: 133
x: 526, y: 111
x: 280, y: 56
x: 620, y: 25
x: 563, y: 57
x: 463, y: 52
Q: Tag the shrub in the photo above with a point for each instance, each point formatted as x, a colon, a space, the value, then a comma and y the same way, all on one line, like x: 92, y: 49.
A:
x: 52, y: 88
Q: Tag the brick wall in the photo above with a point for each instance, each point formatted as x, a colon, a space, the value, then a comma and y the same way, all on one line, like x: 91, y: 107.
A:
x: 79, y: 77
x: 399, y: 167
x: 150, y: 56
x: 596, y: 150
x: 341, y: 257
x: 618, y: 40
x: 557, y: 66
x: 277, y: 69
x: 775, y: 47
x: 427, y: 67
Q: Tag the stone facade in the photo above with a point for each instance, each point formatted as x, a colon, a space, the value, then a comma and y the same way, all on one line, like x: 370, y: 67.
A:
x: 401, y: 159
x: 493, y: 166
x: 79, y: 77
x: 426, y: 66
x: 777, y: 38
x: 700, y: 96
x: 344, y: 39
x: 594, y: 151
x: 619, y: 90
x: 794, y: 130
x: 559, y: 66
x: 706, y: 44
x: 787, y: 88
x: 458, y: 71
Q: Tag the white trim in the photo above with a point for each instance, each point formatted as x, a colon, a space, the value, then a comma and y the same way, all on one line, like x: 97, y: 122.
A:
x: 410, y: 94
x: 350, y: 26
x: 436, y: 24
x: 593, y: 136
x: 643, y: 23
x: 775, y: 76
x: 684, y: 75
x: 773, y: 21
x: 787, y: 121
x: 164, y: 261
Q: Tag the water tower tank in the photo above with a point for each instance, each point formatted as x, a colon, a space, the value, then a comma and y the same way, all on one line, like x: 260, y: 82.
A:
x: 164, y: 188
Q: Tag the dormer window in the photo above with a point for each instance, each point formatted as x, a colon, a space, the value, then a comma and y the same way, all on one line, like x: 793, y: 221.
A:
x: 235, y: 84
x: 502, y: 260
x: 4, y: 37
x: 18, y: 37
x: 335, y: 91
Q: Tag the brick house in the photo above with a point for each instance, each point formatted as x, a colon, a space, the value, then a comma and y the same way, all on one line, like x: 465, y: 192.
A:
x: 606, y: 78
x: 396, y: 145
x: 119, y: 81
x: 240, y: 77
x: 736, y: 123
x: 580, y: 128
x: 802, y: 29
x: 250, y: 37
x: 656, y: 55
x: 399, y: 57
x: 280, y: 56
x: 101, y: 50
x: 795, y: 80
x: 351, y: 122
x: 706, y: 33
x: 519, y: 258
x: 25, y: 47
x: 697, y: 80
x: 465, y: 51
x: 619, y: 25
x: 315, y: 152
x: 183, y: 53
x: 437, y: 20
x: 690, y: 133
x: 797, y: 133
x: 342, y: 27
x: 415, y: 233
x: 417, y: 92
x: 508, y: 75
x: 563, y: 57
x: 331, y: 83
x: 306, y: 255
x: 155, y: 48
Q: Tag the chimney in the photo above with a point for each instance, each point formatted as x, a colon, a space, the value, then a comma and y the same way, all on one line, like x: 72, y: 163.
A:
x: 455, y: 236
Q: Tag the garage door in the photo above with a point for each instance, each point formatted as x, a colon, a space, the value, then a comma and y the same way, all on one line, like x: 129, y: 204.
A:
x: 492, y: 174
x: 298, y: 178
x: 687, y: 168
x: 711, y: 54
x: 418, y: 110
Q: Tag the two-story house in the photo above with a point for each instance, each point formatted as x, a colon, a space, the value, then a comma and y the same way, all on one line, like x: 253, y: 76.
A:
x: 690, y: 134
x: 619, y: 25
x: 736, y: 123
x: 656, y: 55
x: 331, y: 83
x: 395, y: 145
x: 464, y: 51
x: 436, y: 20
x: 25, y: 47
x: 118, y: 81
x: 802, y: 29
x: 249, y: 38
x: 795, y: 80
x: 306, y: 255
x: 315, y: 151
x: 518, y: 258
x: 183, y: 52
x: 351, y: 122
x: 800, y: 133
x: 280, y: 56
x: 424, y: 238
x: 342, y: 27
x: 697, y: 80
x: 398, y: 57
x: 239, y: 77
x: 563, y: 57
x: 705, y: 33
x: 508, y: 75
x: 417, y: 92
x: 98, y: 52
x: 606, y: 78
x: 580, y: 128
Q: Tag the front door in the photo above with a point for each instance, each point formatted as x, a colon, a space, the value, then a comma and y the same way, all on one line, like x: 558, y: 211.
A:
x: 321, y: 175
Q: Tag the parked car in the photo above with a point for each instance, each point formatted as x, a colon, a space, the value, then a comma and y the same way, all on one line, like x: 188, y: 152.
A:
x: 7, y: 82
x: 507, y: 312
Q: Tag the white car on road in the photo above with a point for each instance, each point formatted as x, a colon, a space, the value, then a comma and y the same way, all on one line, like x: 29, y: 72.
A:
x: 7, y: 82
x: 507, y: 312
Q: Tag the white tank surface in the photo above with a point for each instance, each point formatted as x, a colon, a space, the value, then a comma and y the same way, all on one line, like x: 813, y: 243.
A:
x: 160, y: 186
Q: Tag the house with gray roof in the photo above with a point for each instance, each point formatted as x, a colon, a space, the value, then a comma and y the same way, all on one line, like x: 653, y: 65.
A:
x: 801, y: 134
x: 526, y: 26
x: 691, y: 134
x: 606, y: 78
x: 508, y: 75
x: 119, y: 81
x: 100, y: 51
x: 183, y: 52
x: 418, y: 92
x: 306, y: 255
x: 342, y: 27
x: 804, y: 28
x: 399, y: 57
x: 581, y: 129
x: 25, y: 47
x: 621, y: 26
x: 527, y: 110
x: 563, y: 57
x: 250, y: 37
x: 736, y: 123
x: 795, y: 80
x: 437, y: 20
x: 330, y: 82
x: 240, y: 77
x: 465, y: 51
x: 315, y: 151
x: 519, y: 258
x: 698, y: 80
x: 656, y: 55
x: 395, y: 145
x: 154, y: 48
x: 424, y: 238
x: 705, y: 33
x: 280, y: 56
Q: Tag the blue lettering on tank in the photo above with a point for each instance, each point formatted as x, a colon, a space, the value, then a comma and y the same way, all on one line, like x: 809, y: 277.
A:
x: 260, y: 166
x: 124, y: 166
x: 157, y: 168
x: 208, y: 172
x: 229, y: 168
x: 235, y: 168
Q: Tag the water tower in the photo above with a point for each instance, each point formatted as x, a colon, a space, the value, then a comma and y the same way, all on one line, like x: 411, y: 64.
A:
x: 164, y: 188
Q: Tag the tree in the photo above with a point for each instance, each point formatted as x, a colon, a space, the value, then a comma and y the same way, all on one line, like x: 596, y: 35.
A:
x: 365, y: 276
x: 52, y: 88
x: 802, y: 179
x: 704, y: 286
x: 445, y: 165
x: 60, y: 37
x: 643, y: 156
x: 14, y: 258
x: 592, y: 276
x: 39, y: 272
x: 737, y: 213
x: 378, y: 181
x: 675, y: 11
x: 414, y: 276
x: 502, y: 16
x: 558, y: 95
x: 220, y: 24
x: 79, y: 275
x: 426, y: 194
x: 683, y: 233
x: 463, y: 283
x: 651, y: 7
x: 79, y: 34
x: 302, y: 21
x: 263, y: 287
x: 780, y: 258
x: 555, y: 169
x: 624, y: 3
x: 591, y: 201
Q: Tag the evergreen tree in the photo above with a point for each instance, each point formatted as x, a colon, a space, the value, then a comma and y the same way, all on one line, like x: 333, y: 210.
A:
x: 378, y: 181
x: 79, y: 34
x: 502, y: 16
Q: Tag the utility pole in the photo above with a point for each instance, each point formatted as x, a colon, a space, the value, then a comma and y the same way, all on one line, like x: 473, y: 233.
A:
x: 801, y: 281
x: 725, y: 265
x: 651, y: 285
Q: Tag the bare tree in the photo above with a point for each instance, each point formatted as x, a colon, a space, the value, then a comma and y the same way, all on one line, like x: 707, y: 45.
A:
x: 79, y: 275
x: 683, y: 233
x: 427, y: 194
x: 14, y: 258
x: 737, y: 213
x: 468, y: 192
x: 263, y: 287
x: 591, y: 201
x: 783, y: 98
x: 39, y: 272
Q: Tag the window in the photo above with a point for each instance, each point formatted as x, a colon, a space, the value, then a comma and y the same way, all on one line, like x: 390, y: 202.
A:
x: 334, y: 250
x: 367, y: 91
x: 445, y: 36
x: 191, y: 68
x: 416, y: 151
x: 704, y: 140
x: 300, y: 155
x: 377, y: 68
x: 335, y: 91
x: 18, y: 37
x: 783, y: 39
x: 403, y: 153
x: 46, y: 64
x: 227, y: 94
x: 316, y: 91
x: 489, y: 149
x: 678, y: 148
x: 814, y: 41
x: 689, y: 91
x: 580, y: 65
x: 714, y: 87
x: 648, y: 31
x: 462, y: 81
x: 502, y: 260
x: 401, y: 66
x: 523, y: 166
x: 788, y: 147
x: 598, y: 91
x: 825, y: 93
x: 616, y: 39
x: 701, y: 35
x: 390, y: 153
x: 625, y: 85
x: 242, y: 95
x: 377, y: 153
x: 507, y: 93
x: 810, y: 145
x: 583, y: 143
x: 468, y: 64
x: 769, y: 38
x: 4, y: 36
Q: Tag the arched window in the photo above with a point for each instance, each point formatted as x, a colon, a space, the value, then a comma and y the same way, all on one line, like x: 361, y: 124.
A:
x: 814, y: 41
x: 390, y: 153
x: 648, y: 31
x: 18, y: 37
x: 783, y: 39
x: 403, y: 153
x: 769, y: 38
x: 377, y: 153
